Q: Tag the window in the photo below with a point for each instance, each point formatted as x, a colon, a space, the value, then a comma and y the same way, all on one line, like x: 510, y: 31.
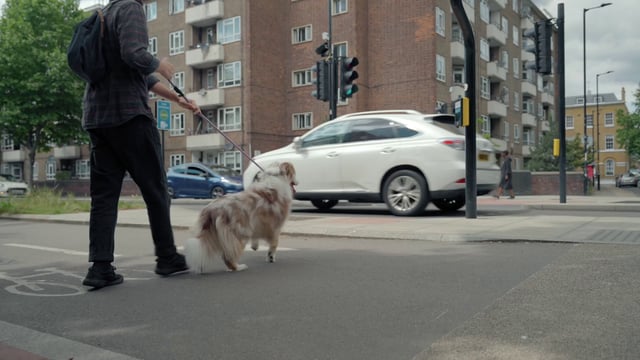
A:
x: 178, y: 80
x: 51, y: 169
x: 485, y: 124
x: 153, y: 46
x: 609, y: 167
x: 229, y: 74
x: 176, y: 6
x: 589, y: 120
x: 516, y: 36
x: 151, y: 10
x: 83, y: 169
x: 338, y: 7
x: 458, y: 74
x: 209, y: 33
x: 568, y: 122
x: 608, y: 142
x: 505, y: 133
x: 515, y: 7
x: 376, y: 129
x: 484, y: 11
x: 580, y: 101
x: 326, y: 135
x: 229, y: 119
x: 440, y: 21
x: 301, y: 34
x: 230, y: 159
x: 470, y: 2
x: 35, y: 171
x: 228, y: 30
x: 441, y: 68
x: 516, y: 133
x: 504, y: 60
x: 302, y: 121
x: 7, y: 143
x: 516, y: 67
x: 176, y: 42
x: 484, y: 87
x: 177, y: 124
x: 301, y: 78
x: 210, y: 78
x: 484, y: 49
x: 608, y: 119
x: 516, y: 101
x: 176, y: 159
x: 504, y: 25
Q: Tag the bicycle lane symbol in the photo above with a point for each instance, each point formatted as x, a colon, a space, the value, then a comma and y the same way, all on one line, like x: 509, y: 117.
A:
x: 35, y: 285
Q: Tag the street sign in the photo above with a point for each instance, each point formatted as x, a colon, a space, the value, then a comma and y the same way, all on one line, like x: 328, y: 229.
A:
x: 163, y: 112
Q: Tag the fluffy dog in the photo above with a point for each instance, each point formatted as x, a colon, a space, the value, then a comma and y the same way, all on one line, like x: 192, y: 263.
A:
x: 228, y: 223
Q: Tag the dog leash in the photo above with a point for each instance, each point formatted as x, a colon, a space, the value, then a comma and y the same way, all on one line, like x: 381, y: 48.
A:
x: 180, y: 93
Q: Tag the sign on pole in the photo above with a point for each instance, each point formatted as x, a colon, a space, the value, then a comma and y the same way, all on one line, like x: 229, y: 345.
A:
x: 163, y: 112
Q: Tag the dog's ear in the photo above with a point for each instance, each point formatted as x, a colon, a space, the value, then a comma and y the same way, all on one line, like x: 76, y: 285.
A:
x: 287, y: 169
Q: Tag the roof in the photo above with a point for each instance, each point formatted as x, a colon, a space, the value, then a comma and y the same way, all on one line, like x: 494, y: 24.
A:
x: 591, y: 99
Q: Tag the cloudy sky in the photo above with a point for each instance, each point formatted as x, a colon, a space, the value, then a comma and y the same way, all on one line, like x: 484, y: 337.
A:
x: 611, y: 44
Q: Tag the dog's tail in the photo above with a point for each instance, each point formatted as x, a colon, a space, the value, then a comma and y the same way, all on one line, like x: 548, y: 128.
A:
x: 206, y: 230
x: 217, y: 235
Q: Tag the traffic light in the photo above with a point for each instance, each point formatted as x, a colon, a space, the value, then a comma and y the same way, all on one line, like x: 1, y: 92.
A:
x: 347, y: 75
x: 321, y: 68
x: 541, y: 47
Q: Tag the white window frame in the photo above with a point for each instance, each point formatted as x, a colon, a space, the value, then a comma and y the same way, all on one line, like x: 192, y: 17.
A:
x: 516, y: 133
x: 153, y: 45
x: 230, y: 118
x: 302, y: 121
x: 176, y: 159
x: 484, y: 11
x: 210, y: 79
x: 609, y: 142
x: 516, y: 101
x: 179, y: 80
x: 176, y: 6
x: 51, y: 169
x: 516, y: 36
x: 608, y: 120
x: 485, y: 92
x: 7, y: 143
x: 505, y: 133
x: 609, y: 167
x: 486, y: 124
x: 515, y: 7
x: 441, y: 68
x: 301, y: 78
x: 230, y: 74
x: 35, y: 171
x: 151, y: 10
x: 83, y: 169
x: 458, y: 74
x: 568, y: 122
x: 228, y: 30
x: 177, y: 124
x: 516, y: 67
x: 589, y: 120
x: 339, y: 7
x: 230, y: 159
x: 484, y: 49
x: 441, y: 22
x: 176, y: 42
x: 301, y: 34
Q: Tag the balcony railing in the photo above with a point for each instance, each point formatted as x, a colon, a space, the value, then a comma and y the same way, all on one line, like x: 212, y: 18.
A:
x: 208, y: 98
x: 205, y: 56
x: 204, y: 13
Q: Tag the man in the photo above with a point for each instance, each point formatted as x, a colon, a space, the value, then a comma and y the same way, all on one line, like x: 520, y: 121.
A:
x: 124, y: 138
x: 505, y: 176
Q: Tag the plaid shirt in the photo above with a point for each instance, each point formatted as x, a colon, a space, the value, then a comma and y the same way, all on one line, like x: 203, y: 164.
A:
x: 124, y: 94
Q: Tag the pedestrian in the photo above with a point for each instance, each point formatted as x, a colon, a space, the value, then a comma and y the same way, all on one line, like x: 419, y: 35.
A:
x: 124, y: 138
x: 505, y: 176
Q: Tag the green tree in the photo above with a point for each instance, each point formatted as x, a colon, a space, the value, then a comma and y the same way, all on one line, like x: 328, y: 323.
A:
x: 542, y: 158
x: 41, y: 101
x: 628, y: 133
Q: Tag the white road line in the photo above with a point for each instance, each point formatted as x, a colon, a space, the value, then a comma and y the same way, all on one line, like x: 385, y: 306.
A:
x: 52, y: 346
x: 50, y: 249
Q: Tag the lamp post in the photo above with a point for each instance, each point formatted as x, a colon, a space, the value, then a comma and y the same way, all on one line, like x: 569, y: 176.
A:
x: 598, y: 127
x: 584, y: 99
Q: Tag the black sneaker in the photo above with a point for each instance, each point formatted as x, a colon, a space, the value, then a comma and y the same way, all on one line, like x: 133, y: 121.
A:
x: 100, y: 278
x: 168, y: 265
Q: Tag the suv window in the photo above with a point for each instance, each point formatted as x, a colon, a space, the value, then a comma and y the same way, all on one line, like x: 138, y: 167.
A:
x: 195, y: 171
x: 329, y: 134
x: 376, y: 129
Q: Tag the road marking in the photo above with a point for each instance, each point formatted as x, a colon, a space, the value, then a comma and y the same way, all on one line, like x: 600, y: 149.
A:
x: 50, y: 249
x: 52, y: 346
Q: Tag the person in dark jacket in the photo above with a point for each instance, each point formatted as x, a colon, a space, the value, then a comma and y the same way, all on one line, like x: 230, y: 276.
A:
x: 505, y: 176
x: 125, y: 139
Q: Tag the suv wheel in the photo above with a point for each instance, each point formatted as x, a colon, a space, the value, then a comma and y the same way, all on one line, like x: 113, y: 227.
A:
x: 324, y: 204
x: 449, y: 204
x: 217, y: 192
x: 405, y: 192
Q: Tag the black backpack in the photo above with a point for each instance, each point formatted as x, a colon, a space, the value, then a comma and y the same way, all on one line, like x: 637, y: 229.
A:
x: 85, y: 53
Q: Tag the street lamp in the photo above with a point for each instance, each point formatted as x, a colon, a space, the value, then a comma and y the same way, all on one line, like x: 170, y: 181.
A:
x: 598, y: 127
x: 584, y: 77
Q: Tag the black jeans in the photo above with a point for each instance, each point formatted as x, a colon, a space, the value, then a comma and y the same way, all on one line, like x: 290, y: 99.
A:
x: 133, y: 147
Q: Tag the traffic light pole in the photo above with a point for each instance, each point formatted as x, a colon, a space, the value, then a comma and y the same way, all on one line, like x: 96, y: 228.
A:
x: 333, y: 70
x: 561, y: 106
x: 471, y: 190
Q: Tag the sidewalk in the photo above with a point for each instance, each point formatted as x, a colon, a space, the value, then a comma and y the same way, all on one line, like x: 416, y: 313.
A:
x: 498, y: 219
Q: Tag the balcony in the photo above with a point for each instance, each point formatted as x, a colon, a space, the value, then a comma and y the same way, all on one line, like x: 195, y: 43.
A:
x: 208, y: 98
x: 457, y: 91
x: 203, y: 142
x: 496, y: 36
x: 526, y: 23
x: 496, y: 72
x: 499, y: 144
x: 67, y: 152
x: 546, y: 98
x: 205, y: 56
x: 204, y: 14
x: 529, y: 120
x: 527, y: 56
x: 544, y: 124
x: 457, y: 52
x: 496, y: 108
x: 526, y: 150
x: 497, y: 5
x: 14, y: 156
x: 529, y: 88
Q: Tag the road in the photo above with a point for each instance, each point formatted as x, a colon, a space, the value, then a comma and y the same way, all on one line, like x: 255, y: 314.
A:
x: 324, y: 298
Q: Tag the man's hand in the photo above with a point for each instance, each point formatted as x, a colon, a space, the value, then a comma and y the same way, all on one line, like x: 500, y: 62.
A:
x: 189, y: 105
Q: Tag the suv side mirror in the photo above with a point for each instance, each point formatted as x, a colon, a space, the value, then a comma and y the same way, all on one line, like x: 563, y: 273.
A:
x: 297, y: 142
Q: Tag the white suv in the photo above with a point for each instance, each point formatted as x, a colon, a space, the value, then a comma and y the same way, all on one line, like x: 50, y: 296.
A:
x: 403, y: 158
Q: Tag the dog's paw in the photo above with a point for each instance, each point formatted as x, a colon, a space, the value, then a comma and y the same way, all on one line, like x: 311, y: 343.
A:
x: 254, y: 247
x: 239, y: 267
x: 271, y: 258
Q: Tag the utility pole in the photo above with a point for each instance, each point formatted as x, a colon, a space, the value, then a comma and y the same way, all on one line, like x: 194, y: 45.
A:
x: 560, y: 110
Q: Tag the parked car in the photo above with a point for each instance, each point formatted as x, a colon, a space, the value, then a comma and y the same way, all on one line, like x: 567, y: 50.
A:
x: 630, y: 178
x: 12, y: 187
x: 195, y: 180
x: 403, y: 158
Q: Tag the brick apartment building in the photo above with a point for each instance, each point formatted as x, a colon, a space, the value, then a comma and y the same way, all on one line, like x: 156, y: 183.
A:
x: 248, y: 63
x: 602, y: 125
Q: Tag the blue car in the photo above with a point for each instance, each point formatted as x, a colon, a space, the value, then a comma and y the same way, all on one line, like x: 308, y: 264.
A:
x: 195, y: 180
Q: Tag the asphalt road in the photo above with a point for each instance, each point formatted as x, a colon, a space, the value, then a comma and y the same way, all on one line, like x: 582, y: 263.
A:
x: 324, y: 298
